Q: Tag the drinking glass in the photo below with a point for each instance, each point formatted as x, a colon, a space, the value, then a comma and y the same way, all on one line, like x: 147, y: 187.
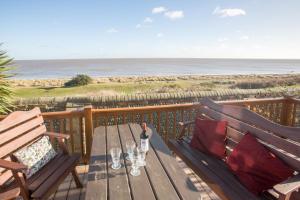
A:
x: 115, y: 156
x: 98, y: 176
x: 141, y: 156
x: 134, y: 166
x: 130, y: 146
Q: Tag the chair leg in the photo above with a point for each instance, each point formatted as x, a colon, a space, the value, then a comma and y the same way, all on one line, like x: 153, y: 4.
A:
x: 76, y: 179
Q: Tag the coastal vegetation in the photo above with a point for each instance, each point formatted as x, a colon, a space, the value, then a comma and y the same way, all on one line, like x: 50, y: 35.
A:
x: 79, y: 80
x: 114, y: 86
x: 5, y: 89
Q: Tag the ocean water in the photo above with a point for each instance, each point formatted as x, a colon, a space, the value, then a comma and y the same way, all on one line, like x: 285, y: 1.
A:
x: 51, y: 69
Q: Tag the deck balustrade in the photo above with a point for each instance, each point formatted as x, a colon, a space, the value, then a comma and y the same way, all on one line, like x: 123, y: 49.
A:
x: 79, y: 123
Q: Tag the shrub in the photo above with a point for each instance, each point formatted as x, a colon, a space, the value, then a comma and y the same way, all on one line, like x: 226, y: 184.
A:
x: 5, y: 89
x: 79, y: 80
x: 253, y: 85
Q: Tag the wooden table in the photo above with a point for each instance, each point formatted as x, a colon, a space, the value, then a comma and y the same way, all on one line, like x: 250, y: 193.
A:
x: 161, y: 178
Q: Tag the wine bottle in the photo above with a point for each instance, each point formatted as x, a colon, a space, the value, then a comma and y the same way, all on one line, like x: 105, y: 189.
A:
x: 144, y: 138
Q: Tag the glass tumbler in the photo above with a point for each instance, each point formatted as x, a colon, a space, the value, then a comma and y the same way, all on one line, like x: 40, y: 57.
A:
x: 141, y: 156
x: 134, y: 166
x: 130, y: 146
x: 115, y: 156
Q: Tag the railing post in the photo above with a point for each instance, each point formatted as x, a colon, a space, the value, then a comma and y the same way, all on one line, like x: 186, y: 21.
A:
x: 287, y: 111
x: 88, y: 121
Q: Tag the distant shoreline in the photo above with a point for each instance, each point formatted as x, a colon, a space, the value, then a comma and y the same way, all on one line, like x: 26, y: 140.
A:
x: 58, y: 82
x: 63, y: 69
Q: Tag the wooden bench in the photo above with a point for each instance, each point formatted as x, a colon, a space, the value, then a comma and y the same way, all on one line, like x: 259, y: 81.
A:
x: 17, y: 130
x: 281, y: 140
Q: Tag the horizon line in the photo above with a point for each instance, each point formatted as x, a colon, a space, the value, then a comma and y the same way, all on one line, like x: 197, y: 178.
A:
x: 138, y: 58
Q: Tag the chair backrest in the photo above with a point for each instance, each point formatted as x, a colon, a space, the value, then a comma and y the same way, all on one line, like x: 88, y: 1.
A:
x: 18, y: 130
x: 283, y: 141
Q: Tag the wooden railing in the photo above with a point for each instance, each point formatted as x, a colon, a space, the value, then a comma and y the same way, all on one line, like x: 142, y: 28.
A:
x: 79, y: 124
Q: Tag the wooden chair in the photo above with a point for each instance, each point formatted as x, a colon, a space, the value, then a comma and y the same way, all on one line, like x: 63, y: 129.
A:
x: 18, y: 130
x: 281, y: 140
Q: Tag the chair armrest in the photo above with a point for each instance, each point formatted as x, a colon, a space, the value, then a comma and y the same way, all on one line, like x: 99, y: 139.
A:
x: 12, y: 165
x: 183, y: 126
x: 288, y: 186
x: 57, y: 135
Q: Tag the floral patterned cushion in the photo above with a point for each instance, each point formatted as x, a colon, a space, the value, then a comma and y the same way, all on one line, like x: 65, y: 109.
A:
x: 36, y: 155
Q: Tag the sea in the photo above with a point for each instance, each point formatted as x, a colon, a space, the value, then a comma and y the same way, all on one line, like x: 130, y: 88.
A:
x: 55, y: 69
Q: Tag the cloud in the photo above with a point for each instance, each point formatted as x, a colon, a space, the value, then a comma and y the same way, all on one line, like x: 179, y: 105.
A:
x: 160, y: 9
x: 148, y: 20
x: 223, y: 39
x: 173, y: 15
x: 160, y: 35
x: 229, y: 12
x: 244, y: 37
x: 112, y: 30
x: 138, y: 26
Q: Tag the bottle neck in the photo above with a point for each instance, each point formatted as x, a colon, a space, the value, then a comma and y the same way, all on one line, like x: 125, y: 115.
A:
x: 144, y: 135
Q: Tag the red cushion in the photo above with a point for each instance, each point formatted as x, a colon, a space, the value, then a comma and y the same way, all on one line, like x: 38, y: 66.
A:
x: 255, y: 166
x: 209, y: 137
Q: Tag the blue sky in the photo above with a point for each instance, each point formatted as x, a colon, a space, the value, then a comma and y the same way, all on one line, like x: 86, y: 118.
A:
x: 59, y: 29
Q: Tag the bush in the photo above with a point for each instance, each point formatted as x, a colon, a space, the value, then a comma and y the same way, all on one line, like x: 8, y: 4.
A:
x: 6, y: 93
x: 79, y: 80
x: 253, y: 85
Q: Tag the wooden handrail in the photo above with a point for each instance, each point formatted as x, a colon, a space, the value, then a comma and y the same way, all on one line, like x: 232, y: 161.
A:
x: 79, y: 124
x: 145, y: 108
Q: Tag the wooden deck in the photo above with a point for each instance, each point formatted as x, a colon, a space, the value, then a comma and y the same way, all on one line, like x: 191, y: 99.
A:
x: 68, y: 190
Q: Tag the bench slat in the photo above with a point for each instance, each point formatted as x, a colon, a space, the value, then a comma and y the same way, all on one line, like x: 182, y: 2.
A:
x: 281, y: 151
x: 214, y: 176
x: 21, y: 129
x: 21, y: 141
x: 50, y: 185
x: 18, y: 117
x: 250, y: 117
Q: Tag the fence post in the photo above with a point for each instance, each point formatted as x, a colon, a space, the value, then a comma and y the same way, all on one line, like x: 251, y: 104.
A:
x: 88, y: 121
x: 287, y: 111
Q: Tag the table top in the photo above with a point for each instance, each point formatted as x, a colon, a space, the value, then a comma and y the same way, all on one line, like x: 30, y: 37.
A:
x: 161, y: 178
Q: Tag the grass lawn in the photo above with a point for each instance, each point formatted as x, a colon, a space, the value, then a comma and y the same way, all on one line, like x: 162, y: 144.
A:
x: 147, y: 87
x: 100, y: 89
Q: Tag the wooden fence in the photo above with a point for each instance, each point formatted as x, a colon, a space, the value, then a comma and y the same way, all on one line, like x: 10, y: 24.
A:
x: 79, y: 124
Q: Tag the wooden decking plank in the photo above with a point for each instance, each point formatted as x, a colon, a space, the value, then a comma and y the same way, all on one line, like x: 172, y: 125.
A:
x: 118, y: 181
x: 159, y: 179
x: 62, y: 190
x: 140, y: 185
x: 97, y: 188
x: 74, y: 192
x: 85, y: 180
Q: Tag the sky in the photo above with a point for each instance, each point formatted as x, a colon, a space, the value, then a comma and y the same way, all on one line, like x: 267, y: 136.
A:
x: 74, y: 29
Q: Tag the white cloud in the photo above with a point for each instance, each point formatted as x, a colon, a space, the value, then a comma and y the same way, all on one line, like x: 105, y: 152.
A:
x: 223, y: 39
x: 160, y: 35
x: 148, y: 20
x: 112, y: 30
x: 138, y: 26
x: 160, y: 9
x: 244, y: 37
x: 228, y: 12
x: 173, y: 15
